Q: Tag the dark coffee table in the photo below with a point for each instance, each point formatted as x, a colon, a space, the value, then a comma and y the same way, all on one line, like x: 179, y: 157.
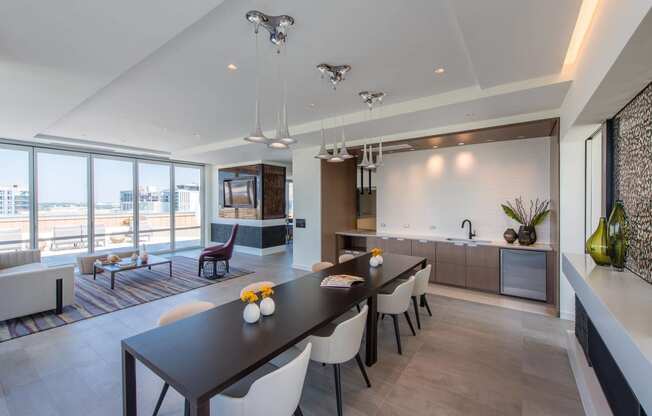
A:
x: 128, y: 264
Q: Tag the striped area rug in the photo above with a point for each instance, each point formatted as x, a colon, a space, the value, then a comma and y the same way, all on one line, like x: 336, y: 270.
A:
x: 93, y: 298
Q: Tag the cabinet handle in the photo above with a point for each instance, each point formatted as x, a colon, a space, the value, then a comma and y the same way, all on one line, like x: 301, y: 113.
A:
x: 423, y: 241
x: 400, y: 239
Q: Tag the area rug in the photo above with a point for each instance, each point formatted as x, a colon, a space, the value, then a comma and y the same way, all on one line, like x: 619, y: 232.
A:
x: 134, y: 287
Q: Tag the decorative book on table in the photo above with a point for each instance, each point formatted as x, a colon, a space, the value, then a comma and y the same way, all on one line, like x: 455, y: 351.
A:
x: 341, y: 280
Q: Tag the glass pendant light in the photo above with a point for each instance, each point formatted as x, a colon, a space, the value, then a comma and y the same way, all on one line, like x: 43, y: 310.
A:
x: 365, y: 160
x: 337, y: 157
x: 379, y: 158
x: 323, y: 153
x: 344, y: 153
x: 257, y: 135
x: 276, y: 142
x: 371, y: 165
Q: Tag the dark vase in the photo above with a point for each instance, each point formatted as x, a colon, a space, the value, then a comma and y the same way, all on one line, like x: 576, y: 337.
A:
x: 616, y: 236
x: 510, y: 235
x: 597, y: 245
x: 527, y: 235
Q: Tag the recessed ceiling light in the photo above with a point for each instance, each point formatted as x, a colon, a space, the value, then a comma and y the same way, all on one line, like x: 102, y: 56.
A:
x: 460, y: 144
x: 312, y: 105
x: 439, y: 71
x: 232, y: 67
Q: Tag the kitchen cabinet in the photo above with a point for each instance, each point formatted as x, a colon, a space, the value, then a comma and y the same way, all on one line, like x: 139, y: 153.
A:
x: 451, y: 253
x: 451, y: 274
x: 486, y: 279
x: 427, y: 249
x: 380, y: 242
x: 399, y: 246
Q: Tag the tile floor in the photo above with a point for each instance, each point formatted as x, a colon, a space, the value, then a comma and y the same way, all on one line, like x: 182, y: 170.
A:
x: 468, y: 359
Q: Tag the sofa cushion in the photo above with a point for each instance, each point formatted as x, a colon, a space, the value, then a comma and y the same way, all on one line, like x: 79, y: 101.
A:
x: 29, y: 267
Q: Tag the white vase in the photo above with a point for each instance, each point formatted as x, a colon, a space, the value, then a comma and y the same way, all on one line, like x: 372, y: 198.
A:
x: 267, y: 306
x: 373, y: 261
x: 251, y: 313
x: 380, y: 260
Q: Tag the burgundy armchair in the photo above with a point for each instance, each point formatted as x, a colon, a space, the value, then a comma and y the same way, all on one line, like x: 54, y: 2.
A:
x: 220, y: 252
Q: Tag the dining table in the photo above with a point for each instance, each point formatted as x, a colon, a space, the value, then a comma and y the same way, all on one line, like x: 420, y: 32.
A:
x: 202, y: 355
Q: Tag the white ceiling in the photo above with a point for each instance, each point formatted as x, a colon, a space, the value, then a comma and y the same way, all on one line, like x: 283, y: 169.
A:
x: 152, y: 74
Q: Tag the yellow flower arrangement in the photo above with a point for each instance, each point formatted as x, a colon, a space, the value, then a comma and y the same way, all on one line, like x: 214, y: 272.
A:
x: 249, y: 297
x: 376, y: 251
x: 266, y: 291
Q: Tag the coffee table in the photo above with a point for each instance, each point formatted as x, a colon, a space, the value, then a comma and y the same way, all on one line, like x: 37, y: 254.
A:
x: 127, y: 264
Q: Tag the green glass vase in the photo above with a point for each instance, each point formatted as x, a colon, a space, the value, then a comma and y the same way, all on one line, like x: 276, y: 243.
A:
x: 616, y: 236
x: 597, y: 245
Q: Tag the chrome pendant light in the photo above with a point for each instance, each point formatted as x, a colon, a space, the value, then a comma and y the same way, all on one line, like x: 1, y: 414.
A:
x: 323, y: 153
x: 365, y: 161
x: 257, y: 135
x: 336, y: 73
x: 344, y: 153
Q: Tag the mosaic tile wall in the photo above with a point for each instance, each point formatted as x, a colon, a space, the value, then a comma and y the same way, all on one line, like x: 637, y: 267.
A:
x: 633, y: 178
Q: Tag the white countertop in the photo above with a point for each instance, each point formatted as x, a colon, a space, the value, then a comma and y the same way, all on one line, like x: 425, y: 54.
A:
x: 620, y: 306
x: 499, y: 244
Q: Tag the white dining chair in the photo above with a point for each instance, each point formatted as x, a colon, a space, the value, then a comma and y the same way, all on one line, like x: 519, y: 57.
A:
x: 256, y: 286
x: 322, y: 265
x: 175, y: 314
x: 394, y: 301
x: 338, y: 343
x: 421, y: 279
x: 268, y: 391
x: 345, y: 257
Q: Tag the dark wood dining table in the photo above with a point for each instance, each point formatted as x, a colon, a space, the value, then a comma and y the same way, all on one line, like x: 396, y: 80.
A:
x: 202, y: 355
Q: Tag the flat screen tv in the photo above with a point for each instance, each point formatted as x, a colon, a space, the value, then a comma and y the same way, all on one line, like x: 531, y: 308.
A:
x: 240, y: 193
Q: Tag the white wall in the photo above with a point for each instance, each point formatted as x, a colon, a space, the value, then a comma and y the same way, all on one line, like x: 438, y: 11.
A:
x: 307, y: 205
x: 441, y: 187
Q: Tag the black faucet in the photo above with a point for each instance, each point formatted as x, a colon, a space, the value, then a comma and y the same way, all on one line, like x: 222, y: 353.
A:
x: 471, y: 233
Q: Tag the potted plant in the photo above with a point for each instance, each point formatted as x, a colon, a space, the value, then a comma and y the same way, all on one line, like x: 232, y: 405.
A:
x: 376, y: 257
x: 528, y: 218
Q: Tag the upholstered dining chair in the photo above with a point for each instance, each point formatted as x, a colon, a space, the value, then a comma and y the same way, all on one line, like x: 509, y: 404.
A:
x: 257, y: 286
x: 421, y: 279
x: 345, y: 257
x: 220, y: 252
x: 338, y: 343
x: 394, y: 301
x: 317, y: 267
x: 176, y: 314
x: 268, y: 391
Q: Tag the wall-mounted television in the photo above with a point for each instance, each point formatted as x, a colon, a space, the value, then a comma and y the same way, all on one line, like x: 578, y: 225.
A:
x: 240, y: 193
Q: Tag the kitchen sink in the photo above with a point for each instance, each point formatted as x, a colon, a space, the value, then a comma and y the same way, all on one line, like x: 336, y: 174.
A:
x: 467, y: 241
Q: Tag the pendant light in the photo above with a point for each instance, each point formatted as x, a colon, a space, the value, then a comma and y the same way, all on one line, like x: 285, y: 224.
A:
x: 323, y: 153
x: 284, y: 136
x: 344, y: 153
x: 257, y: 135
x: 277, y: 143
x: 365, y: 160
x: 371, y: 165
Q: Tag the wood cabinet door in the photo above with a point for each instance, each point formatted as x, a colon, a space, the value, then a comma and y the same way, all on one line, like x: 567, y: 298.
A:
x: 399, y: 246
x: 482, y: 256
x: 483, y: 278
x: 451, y: 253
x: 451, y: 274
x: 424, y: 248
x: 380, y: 242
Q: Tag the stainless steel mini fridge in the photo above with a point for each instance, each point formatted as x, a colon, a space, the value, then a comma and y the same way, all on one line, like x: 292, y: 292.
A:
x: 523, y: 273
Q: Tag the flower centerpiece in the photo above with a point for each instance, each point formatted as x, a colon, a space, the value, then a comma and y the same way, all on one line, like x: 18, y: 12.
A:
x: 376, y: 257
x: 528, y: 218
x: 251, y: 313
x: 267, y: 305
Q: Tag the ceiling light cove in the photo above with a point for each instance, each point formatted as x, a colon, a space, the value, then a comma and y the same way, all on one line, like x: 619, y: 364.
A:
x: 587, y: 11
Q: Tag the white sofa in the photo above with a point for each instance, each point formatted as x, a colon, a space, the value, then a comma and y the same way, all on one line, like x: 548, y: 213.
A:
x: 28, y: 286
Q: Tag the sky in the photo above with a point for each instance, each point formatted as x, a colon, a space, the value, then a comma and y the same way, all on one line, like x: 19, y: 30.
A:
x: 62, y: 177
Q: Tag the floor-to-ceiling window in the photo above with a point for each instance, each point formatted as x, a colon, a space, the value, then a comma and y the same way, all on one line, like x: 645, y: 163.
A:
x: 187, y: 206
x: 15, y: 198
x: 62, y: 204
x: 67, y: 203
x: 154, y: 204
x: 113, y: 191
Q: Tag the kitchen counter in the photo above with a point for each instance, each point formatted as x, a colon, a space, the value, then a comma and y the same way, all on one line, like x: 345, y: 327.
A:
x: 620, y: 306
x: 499, y: 244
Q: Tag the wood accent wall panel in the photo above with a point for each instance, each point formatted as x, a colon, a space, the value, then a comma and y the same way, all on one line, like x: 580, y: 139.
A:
x: 273, y: 192
x: 338, y: 204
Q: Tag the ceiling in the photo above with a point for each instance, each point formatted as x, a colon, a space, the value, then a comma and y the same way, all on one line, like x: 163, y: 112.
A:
x: 152, y: 74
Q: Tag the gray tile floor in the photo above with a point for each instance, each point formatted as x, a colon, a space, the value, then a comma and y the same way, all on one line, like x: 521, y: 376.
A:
x: 469, y: 359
